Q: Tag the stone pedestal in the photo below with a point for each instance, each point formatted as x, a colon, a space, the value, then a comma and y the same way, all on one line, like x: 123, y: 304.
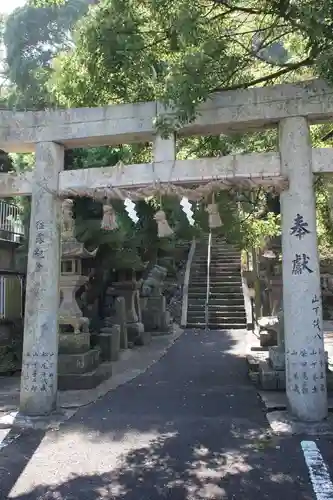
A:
x: 128, y: 290
x: 156, y: 318
x: 268, y: 330
x: 304, y: 339
x: 79, y: 366
x: 74, y: 343
x: 120, y: 319
x: 108, y: 340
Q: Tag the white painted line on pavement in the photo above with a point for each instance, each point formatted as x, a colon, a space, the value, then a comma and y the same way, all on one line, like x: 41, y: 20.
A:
x: 7, y: 420
x: 319, y: 475
x: 3, y: 441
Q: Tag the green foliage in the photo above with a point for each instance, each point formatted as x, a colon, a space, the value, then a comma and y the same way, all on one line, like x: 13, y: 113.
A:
x: 177, y: 52
x: 33, y: 37
x: 324, y: 217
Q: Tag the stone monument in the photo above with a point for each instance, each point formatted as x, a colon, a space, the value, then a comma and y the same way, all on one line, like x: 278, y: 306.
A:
x: 127, y: 287
x: 113, y: 334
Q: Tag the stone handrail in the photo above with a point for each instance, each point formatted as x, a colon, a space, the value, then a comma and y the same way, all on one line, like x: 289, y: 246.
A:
x: 186, y: 282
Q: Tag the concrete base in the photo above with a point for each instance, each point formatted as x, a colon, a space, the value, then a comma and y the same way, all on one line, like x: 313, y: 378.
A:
x: 78, y: 363
x: 108, y: 341
x: 72, y: 343
x: 82, y: 381
x: 144, y: 339
x: 52, y: 421
x: 284, y: 424
x: 277, y: 400
x: 134, y: 332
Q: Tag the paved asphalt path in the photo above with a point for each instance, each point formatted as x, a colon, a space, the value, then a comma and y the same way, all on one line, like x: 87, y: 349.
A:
x: 191, y: 427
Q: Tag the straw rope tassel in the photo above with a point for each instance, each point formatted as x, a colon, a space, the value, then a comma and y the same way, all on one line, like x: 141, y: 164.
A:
x: 214, y: 219
x: 109, y: 221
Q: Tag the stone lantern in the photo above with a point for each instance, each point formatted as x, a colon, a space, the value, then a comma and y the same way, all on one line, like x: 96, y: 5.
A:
x: 79, y: 365
x: 71, y: 279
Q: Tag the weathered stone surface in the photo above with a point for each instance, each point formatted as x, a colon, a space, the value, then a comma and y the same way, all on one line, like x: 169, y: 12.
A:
x: 124, y: 123
x: 78, y: 363
x: 277, y: 358
x: 268, y: 338
x: 268, y: 321
x: 135, y: 331
x: 143, y: 339
x: 40, y: 348
x: 109, y: 343
x: 271, y: 380
x: 301, y: 274
x: 153, y: 285
x: 253, y: 363
x: 120, y: 319
x: 72, y: 343
x: 82, y: 381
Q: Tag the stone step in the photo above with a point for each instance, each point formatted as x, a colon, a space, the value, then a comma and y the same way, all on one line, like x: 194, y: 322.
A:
x: 228, y: 271
x: 216, y: 296
x: 224, y: 279
x: 222, y: 254
x: 200, y: 302
x: 228, y: 318
x: 227, y: 285
x: 229, y: 266
x: 218, y: 290
x: 219, y: 321
x: 233, y: 273
x: 214, y: 284
x: 227, y: 324
x: 215, y: 326
x: 196, y: 319
x: 216, y: 307
x: 79, y: 362
x: 197, y: 288
x: 83, y: 381
x: 217, y: 285
x: 217, y: 258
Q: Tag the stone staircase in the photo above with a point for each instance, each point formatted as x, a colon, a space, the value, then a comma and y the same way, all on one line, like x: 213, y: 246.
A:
x: 226, y: 305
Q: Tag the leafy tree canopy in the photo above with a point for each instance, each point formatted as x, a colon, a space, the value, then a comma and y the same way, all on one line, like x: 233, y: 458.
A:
x: 177, y: 52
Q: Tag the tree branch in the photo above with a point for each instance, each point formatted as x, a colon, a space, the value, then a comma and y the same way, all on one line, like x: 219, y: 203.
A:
x: 246, y: 10
x: 263, y: 79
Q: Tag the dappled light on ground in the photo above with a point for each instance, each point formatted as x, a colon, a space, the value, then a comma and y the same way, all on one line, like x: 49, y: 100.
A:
x: 190, y: 428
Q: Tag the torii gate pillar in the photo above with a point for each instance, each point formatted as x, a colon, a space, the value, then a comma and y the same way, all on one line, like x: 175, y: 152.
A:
x: 40, y: 346
x: 304, y: 338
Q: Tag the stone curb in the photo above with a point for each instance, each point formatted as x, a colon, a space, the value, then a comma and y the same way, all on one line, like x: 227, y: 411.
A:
x: 131, y: 364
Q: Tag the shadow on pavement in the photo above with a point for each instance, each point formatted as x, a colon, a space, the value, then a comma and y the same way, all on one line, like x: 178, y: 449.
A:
x: 191, y: 427
x: 15, y: 453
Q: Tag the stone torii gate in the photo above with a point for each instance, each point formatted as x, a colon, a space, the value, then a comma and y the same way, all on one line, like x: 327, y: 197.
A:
x: 291, y: 108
